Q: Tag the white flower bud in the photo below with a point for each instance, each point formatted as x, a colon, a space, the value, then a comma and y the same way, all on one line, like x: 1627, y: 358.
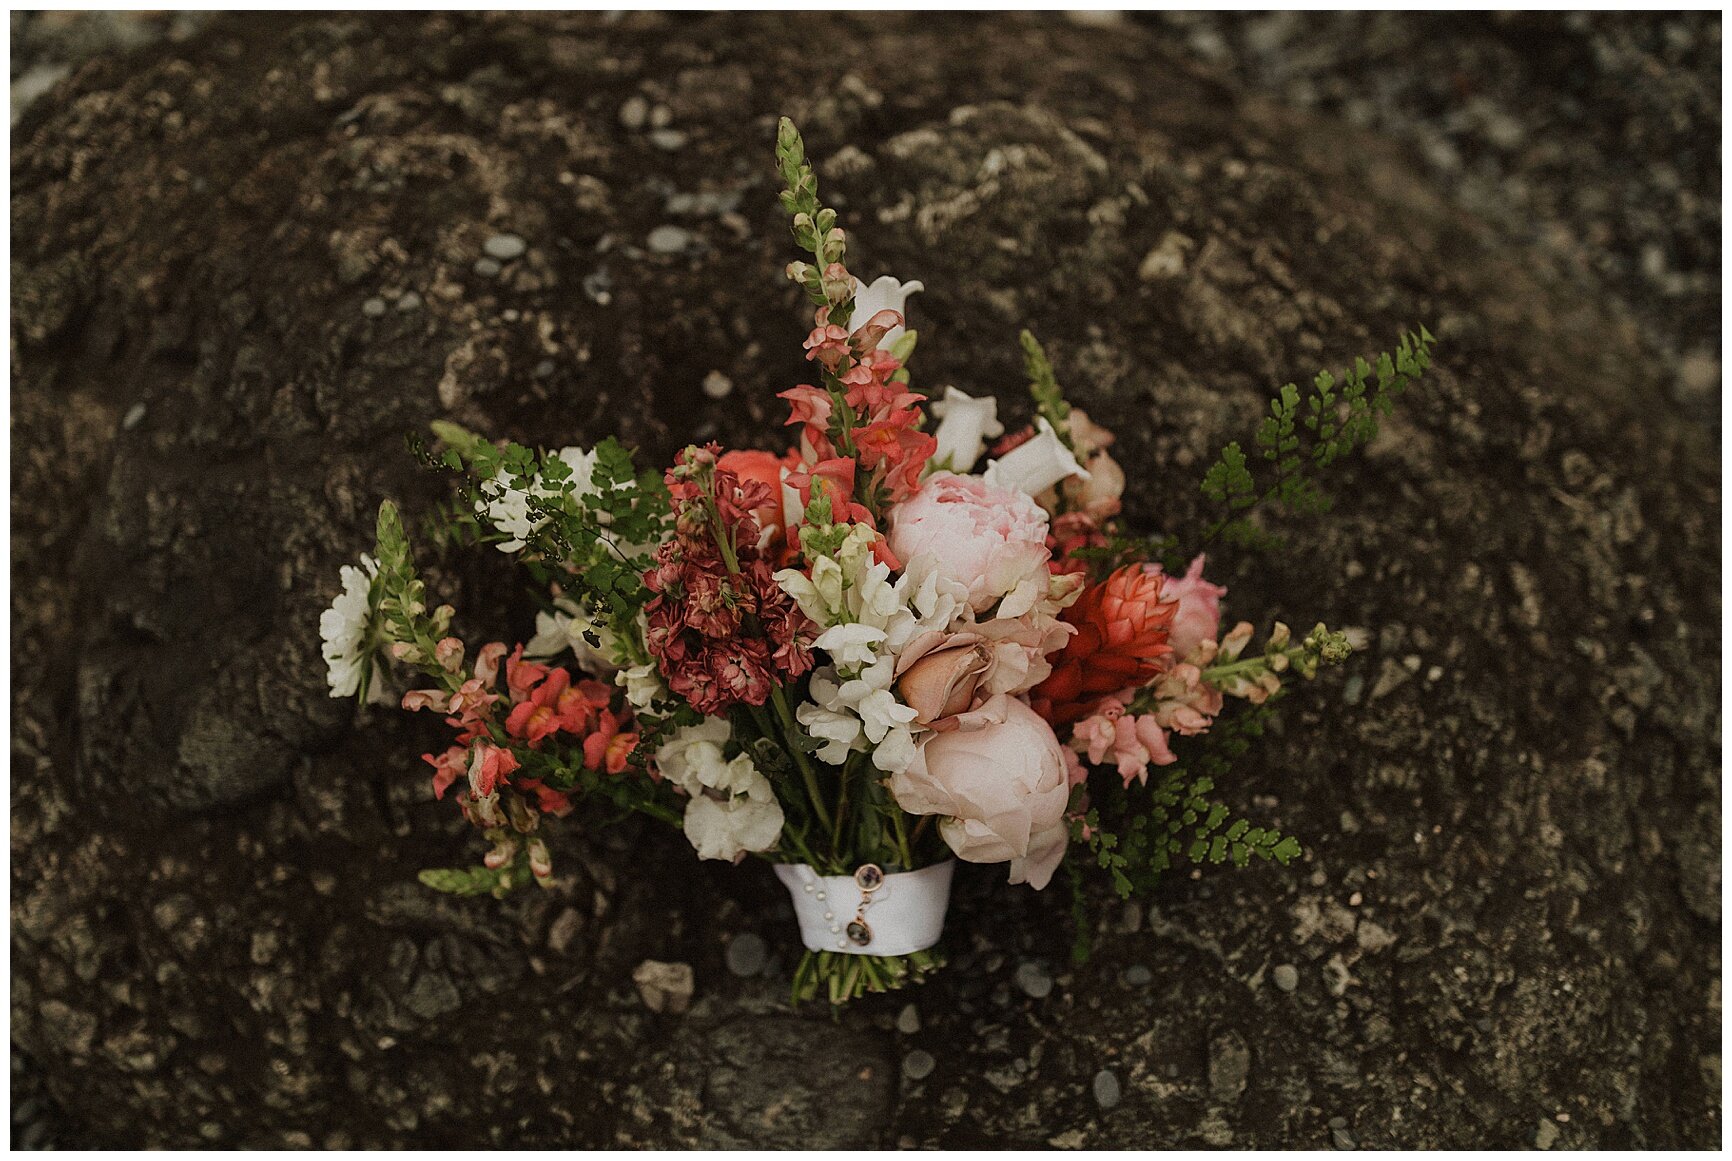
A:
x: 885, y: 293
x: 965, y: 424
x: 1037, y: 465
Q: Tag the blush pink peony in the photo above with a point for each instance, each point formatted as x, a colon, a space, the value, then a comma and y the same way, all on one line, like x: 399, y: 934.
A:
x: 1001, y: 783
x: 1199, y: 615
x: 989, y: 539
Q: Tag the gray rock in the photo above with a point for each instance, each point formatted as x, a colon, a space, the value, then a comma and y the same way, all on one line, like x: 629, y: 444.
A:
x: 1286, y: 977
x: 374, y: 308
x: 1342, y: 1139
x: 1034, y: 980
x: 634, y: 113
x: 747, y: 954
x: 918, y: 1064
x: 668, y: 240
x: 1138, y: 975
x: 1229, y: 1066
x: 908, y: 1020
x: 487, y: 267
x: 664, y: 987
x: 504, y: 247
x: 410, y: 301
x: 1106, y: 1089
x: 668, y: 139
x: 1018, y: 203
x: 772, y: 1082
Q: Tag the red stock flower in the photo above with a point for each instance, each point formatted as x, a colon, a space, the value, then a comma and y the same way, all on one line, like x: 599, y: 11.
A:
x: 1121, y: 641
x: 722, y: 634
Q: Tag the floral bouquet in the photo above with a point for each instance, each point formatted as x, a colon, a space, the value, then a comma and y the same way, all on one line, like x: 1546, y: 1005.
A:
x: 860, y: 658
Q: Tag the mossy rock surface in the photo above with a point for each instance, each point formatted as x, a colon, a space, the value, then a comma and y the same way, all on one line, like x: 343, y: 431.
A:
x: 247, y: 264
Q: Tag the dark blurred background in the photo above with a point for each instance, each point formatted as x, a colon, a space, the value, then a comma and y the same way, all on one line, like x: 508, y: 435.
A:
x: 1594, y: 136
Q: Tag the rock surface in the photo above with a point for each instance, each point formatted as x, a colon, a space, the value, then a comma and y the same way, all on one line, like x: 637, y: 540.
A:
x: 1508, y: 912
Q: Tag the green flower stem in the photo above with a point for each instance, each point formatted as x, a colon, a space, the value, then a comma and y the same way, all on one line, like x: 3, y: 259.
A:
x: 902, y: 844
x: 840, y: 977
x: 792, y: 730
x: 1216, y: 674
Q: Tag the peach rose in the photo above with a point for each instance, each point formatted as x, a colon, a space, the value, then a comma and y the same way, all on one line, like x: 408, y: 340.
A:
x: 942, y: 683
x: 1002, y: 784
x: 1199, y: 615
x: 988, y: 539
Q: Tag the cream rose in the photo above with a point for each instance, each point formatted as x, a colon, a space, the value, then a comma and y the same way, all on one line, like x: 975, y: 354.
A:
x: 1001, y: 784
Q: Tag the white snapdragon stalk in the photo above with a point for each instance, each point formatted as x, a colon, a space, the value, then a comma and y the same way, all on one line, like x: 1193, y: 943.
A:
x: 733, y: 807
x: 643, y: 686
x: 569, y: 626
x: 885, y: 293
x: 851, y: 645
x: 1037, y: 465
x: 840, y: 731
x: 343, y: 633
x: 965, y: 424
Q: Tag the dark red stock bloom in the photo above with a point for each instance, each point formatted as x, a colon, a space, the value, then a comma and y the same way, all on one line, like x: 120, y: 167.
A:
x: 701, y: 620
x: 1121, y: 641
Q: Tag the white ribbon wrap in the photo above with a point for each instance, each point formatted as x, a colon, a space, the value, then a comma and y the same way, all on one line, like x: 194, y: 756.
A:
x: 906, y: 914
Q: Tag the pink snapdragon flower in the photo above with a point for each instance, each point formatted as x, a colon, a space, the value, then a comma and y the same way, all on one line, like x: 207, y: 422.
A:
x: 1133, y: 741
x: 1199, y: 615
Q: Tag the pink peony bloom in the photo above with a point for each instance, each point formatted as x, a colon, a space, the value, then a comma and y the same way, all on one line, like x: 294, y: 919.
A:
x: 1133, y: 742
x: 1199, y: 615
x: 1001, y: 783
x: 991, y: 540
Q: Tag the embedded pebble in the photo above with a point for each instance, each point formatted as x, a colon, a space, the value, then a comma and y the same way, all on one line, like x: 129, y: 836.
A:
x: 1286, y: 977
x: 599, y: 287
x: 918, y: 1065
x: 1107, y: 1092
x: 487, y: 267
x: 410, y: 301
x: 634, y: 113
x: 1138, y: 976
x: 564, y: 931
x: 373, y: 307
x: 545, y: 369
x: 1353, y: 689
x: 1343, y: 1139
x: 668, y: 139
x: 664, y: 987
x: 747, y: 955
x: 908, y: 1020
x: 1229, y: 1066
x: 718, y: 385
x: 668, y: 240
x: 133, y: 417
x: 1034, y: 980
x: 504, y: 247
